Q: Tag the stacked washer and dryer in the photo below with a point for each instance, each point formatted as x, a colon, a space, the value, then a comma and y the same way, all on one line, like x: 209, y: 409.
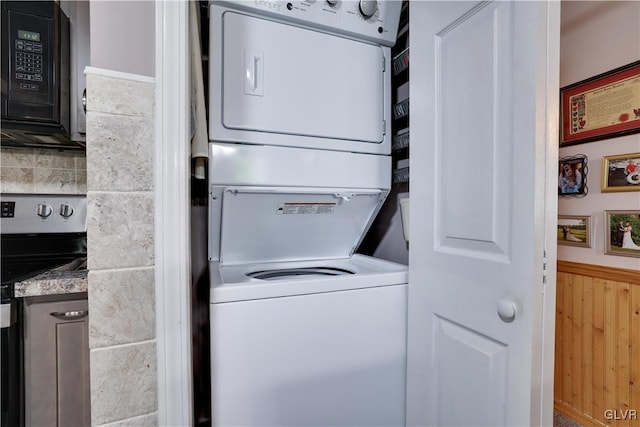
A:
x: 304, y: 331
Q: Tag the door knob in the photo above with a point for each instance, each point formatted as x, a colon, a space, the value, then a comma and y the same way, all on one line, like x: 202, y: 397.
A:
x: 507, y: 310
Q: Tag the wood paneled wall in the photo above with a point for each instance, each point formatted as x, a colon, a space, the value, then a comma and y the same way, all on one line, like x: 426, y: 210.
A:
x: 597, y: 355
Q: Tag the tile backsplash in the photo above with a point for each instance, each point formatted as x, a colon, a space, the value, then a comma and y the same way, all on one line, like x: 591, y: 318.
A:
x: 25, y: 170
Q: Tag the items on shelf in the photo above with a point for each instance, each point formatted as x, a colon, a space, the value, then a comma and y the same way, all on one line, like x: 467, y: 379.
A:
x: 401, y: 173
x: 401, y: 109
x: 401, y: 140
x: 401, y: 62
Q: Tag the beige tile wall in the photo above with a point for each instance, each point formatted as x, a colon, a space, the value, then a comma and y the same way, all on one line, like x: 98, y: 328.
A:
x: 120, y: 137
x: 28, y: 170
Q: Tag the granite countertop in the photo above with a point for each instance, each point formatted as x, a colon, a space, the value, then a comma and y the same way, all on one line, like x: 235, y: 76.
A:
x: 66, y: 279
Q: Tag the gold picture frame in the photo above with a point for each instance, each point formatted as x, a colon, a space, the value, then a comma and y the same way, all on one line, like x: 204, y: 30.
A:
x: 621, y: 173
x: 622, y: 233
x: 574, y: 230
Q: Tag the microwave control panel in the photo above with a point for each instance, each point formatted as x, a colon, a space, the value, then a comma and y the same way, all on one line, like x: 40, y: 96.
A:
x: 27, y: 59
x: 33, y: 35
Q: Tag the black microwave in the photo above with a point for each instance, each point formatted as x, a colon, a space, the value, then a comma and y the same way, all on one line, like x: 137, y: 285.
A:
x: 35, y: 75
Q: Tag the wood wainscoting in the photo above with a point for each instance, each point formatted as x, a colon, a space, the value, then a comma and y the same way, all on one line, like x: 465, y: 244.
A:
x: 597, y: 355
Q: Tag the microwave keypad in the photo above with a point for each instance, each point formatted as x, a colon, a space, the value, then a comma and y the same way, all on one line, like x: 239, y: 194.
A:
x: 28, y: 61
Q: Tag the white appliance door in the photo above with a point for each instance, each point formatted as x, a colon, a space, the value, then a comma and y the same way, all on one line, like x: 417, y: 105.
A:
x: 484, y: 85
x: 276, y: 224
x: 279, y: 78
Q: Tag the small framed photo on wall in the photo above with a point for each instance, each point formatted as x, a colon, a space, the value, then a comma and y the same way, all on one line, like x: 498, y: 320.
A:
x: 574, y: 230
x: 572, y: 176
x: 621, y: 173
x: 622, y: 233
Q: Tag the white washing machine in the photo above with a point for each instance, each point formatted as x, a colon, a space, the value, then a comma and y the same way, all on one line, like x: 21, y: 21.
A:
x: 304, y: 331
x: 310, y: 74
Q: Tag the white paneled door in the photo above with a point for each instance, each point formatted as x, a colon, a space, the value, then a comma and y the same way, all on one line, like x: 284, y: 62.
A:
x: 484, y: 84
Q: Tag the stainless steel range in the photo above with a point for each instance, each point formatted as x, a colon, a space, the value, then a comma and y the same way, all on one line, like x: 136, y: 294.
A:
x: 39, y: 232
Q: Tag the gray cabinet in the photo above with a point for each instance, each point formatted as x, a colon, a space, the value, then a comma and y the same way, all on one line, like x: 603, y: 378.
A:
x: 56, y: 361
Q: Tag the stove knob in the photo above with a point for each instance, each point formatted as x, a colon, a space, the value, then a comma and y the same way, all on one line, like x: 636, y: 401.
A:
x: 66, y: 211
x: 43, y: 210
x: 368, y: 8
x: 332, y: 2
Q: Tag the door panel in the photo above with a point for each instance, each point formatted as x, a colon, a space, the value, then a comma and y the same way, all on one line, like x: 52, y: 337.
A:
x: 56, y: 363
x: 468, y: 364
x: 285, y: 79
x: 475, y: 158
x: 73, y: 394
x: 483, y: 129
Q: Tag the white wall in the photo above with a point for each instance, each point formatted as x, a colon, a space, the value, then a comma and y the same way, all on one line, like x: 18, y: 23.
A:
x: 123, y: 36
x: 597, y: 37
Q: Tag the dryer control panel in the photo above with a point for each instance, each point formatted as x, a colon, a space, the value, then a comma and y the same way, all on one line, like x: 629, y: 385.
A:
x: 375, y: 21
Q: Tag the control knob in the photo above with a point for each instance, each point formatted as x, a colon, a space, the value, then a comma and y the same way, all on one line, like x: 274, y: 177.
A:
x: 332, y: 2
x: 368, y: 8
x: 66, y: 210
x: 44, y: 210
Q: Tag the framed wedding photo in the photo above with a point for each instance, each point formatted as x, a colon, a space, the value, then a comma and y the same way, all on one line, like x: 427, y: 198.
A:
x: 621, y: 173
x: 572, y: 176
x: 622, y: 234
x: 574, y: 230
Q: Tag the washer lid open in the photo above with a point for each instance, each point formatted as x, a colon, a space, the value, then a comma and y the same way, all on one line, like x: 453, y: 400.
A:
x: 272, y: 224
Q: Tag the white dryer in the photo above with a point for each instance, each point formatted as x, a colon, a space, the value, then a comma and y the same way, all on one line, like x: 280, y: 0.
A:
x: 307, y: 74
x: 304, y: 332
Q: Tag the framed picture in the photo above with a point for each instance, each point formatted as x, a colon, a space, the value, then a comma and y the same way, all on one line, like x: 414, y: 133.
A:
x: 572, y: 176
x: 622, y: 233
x: 574, y: 230
x: 621, y: 173
x: 601, y: 107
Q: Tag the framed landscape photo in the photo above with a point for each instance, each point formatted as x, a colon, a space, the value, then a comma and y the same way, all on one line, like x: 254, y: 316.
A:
x: 622, y: 233
x: 574, y: 230
x: 621, y: 173
x: 601, y: 107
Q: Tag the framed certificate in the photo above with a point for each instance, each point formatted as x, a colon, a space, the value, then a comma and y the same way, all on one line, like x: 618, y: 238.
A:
x: 601, y: 107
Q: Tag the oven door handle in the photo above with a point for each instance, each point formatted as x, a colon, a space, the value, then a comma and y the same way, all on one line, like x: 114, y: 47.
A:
x: 70, y: 315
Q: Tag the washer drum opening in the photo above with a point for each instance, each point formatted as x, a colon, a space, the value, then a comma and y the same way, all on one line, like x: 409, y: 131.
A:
x: 292, y: 272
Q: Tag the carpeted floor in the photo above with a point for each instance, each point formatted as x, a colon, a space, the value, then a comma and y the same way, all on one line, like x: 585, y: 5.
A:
x: 560, y: 420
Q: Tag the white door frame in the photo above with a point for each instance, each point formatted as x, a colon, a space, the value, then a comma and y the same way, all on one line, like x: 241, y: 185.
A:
x: 172, y: 221
x: 546, y: 369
